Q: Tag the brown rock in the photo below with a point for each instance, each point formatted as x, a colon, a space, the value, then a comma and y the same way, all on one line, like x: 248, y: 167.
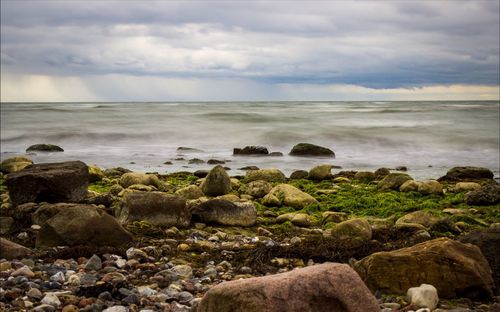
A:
x: 324, y: 287
x: 466, y: 174
x: 10, y: 250
x: 455, y: 269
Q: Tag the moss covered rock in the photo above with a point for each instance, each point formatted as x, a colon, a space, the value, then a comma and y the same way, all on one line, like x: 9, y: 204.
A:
x: 364, y: 176
x: 288, y: 195
x: 466, y: 174
x: 354, y: 231
x: 409, y: 186
x: 217, y: 182
x: 257, y: 189
x: 190, y: 192
x: 268, y: 175
x: 393, y: 181
x: 430, y: 187
x: 307, y: 149
x: 44, y: 148
x: 95, y: 174
x: 132, y: 178
x: 15, y: 164
x: 321, y: 172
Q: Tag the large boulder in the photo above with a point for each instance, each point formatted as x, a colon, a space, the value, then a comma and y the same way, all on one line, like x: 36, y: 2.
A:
x: 190, y: 192
x: 44, y: 148
x: 10, y: 250
x: 430, y: 187
x: 82, y: 225
x: 224, y: 212
x: 217, y: 182
x: 257, y: 189
x: 409, y: 186
x: 324, y: 287
x: 307, y: 149
x: 486, y: 195
x: 455, y: 269
x: 288, y: 195
x: 131, y: 178
x: 422, y: 217
x: 156, y: 208
x: 15, y: 164
x: 353, y: 232
x: 466, y: 174
x: 393, y: 181
x: 251, y: 150
x: 51, y: 182
x: 269, y: 175
x: 321, y: 172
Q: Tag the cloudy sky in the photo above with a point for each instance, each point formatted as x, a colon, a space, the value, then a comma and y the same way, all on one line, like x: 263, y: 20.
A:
x: 249, y: 50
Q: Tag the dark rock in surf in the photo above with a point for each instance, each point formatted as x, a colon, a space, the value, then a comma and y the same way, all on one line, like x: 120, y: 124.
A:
x: 51, y: 182
x: 44, y: 148
x: 249, y: 168
x: 307, y: 149
x: 200, y: 173
x: 251, y: 150
x: 466, y: 174
x: 275, y: 154
x: 215, y: 162
x: 196, y: 161
x: 188, y: 149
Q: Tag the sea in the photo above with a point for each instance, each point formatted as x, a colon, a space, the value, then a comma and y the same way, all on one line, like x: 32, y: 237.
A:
x: 428, y: 138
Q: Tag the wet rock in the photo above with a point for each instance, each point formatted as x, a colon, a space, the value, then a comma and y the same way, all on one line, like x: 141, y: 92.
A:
x: 132, y: 178
x: 393, y: 181
x: 380, y: 173
x: 409, y: 186
x: 364, y: 176
x: 200, y: 173
x: 320, y: 173
x: 82, y: 225
x: 15, y: 164
x: 190, y: 192
x: 215, y: 162
x: 466, y: 174
x: 156, y: 208
x: 466, y: 187
x: 11, y: 250
x: 325, y: 287
x: 217, y: 182
x: 44, y: 148
x: 257, y: 189
x: 421, y: 217
x: 454, y: 268
x: 307, y: 149
x: 95, y: 174
x: 225, y: 212
x: 299, y: 174
x: 249, y: 168
x: 116, y: 172
x: 51, y: 182
x: 430, y: 187
x: 285, y: 194
x: 424, y: 296
x: 276, y: 154
x: 486, y: 195
x: 268, y: 175
x: 251, y: 150
x: 353, y: 232
x: 196, y: 161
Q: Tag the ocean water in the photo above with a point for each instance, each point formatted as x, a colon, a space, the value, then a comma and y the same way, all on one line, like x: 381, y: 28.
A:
x: 427, y: 137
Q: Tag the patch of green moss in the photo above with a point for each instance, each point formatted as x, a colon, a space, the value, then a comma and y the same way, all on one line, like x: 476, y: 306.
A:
x: 100, y: 187
x: 180, y: 179
x: 3, y: 184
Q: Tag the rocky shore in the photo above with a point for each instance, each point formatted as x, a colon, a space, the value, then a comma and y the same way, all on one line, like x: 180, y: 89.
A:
x: 81, y: 238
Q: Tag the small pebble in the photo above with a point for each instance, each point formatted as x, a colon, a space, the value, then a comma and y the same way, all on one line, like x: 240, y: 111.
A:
x: 94, y: 264
x: 52, y: 300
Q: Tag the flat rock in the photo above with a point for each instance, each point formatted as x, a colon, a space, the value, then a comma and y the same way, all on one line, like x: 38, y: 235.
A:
x: 324, y: 287
x: 50, y: 182
x: 224, y: 212
x: 455, y: 269
x: 268, y: 175
x: 467, y: 174
x: 10, y: 250
x: 251, y: 150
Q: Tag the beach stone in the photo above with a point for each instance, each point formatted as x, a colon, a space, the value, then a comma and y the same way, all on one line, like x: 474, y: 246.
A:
x: 224, y: 212
x: 334, y: 216
x: 301, y: 219
x: 156, y: 208
x: 93, y: 264
x: 424, y: 296
x: 409, y: 186
x: 23, y: 271
x: 50, y: 182
x: 455, y: 269
x: 116, y: 172
x: 11, y: 250
x: 488, y: 241
x: 80, y: 225
x: 466, y: 174
x: 466, y: 186
x: 364, y: 176
x: 215, y: 162
x: 307, y: 149
x: 34, y: 293
x: 353, y: 232
x: 217, y: 182
x: 324, y: 287
x: 288, y: 195
x: 257, y: 189
x: 58, y: 277
x: 299, y: 174
x: 251, y: 150
x: 44, y: 148
x: 485, y: 196
x: 393, y: 181
x: 320, y: 173
x: 95, y: 174
x: 268, y: 175
x: 51, y: 299
x: 131, y: 178
x: 196, y: 161
x: 15, y: 164
x: 183, y: 271
x: 116, y: 308
x: 6, y: 225
x: 380, y: 173
x: 424, y: 218
x: 200, y: 173
x: 430, y: 187
x: 190, y: 192
x: 70, y: 308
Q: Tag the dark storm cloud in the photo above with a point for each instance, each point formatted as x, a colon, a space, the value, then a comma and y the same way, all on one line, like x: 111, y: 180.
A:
x: 374, y: 44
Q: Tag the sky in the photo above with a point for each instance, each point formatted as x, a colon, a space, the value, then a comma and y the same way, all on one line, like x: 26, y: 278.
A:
x: 249, y: 50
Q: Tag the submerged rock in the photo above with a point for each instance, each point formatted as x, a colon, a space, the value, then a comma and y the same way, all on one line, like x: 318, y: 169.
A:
x: 307, y: 149
x: 466, y: 174
x: 286, y: 194
x: 44, y: 148
x: 11, y: 250
x: 455, y: 269
x: 324, y: 287
x: 251, y: 150
x: 131, y: 178
x: 50, y: 182
x: 217, y: 182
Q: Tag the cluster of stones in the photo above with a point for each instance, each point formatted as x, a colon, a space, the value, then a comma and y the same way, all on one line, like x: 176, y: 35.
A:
x: 58, y: 210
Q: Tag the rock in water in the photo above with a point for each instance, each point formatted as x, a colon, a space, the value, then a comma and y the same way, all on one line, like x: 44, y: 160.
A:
x: 251, y: 150
x: 324, y: 287
x: 217, y: 182
x: 466, y: 174
x: 44, y: 148
x: 154, y: 207
x: 51, y: 182
x: 82, y: 225
x: 455, y: 269
x: 424, y: 296
x: 225, y: 212
x: 11, y: 250
x: 307, y: 149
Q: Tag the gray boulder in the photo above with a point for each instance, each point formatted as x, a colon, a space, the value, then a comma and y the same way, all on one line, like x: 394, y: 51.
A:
x: 224, y: 212
x: 217, y: 182
x: 51, y: 182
